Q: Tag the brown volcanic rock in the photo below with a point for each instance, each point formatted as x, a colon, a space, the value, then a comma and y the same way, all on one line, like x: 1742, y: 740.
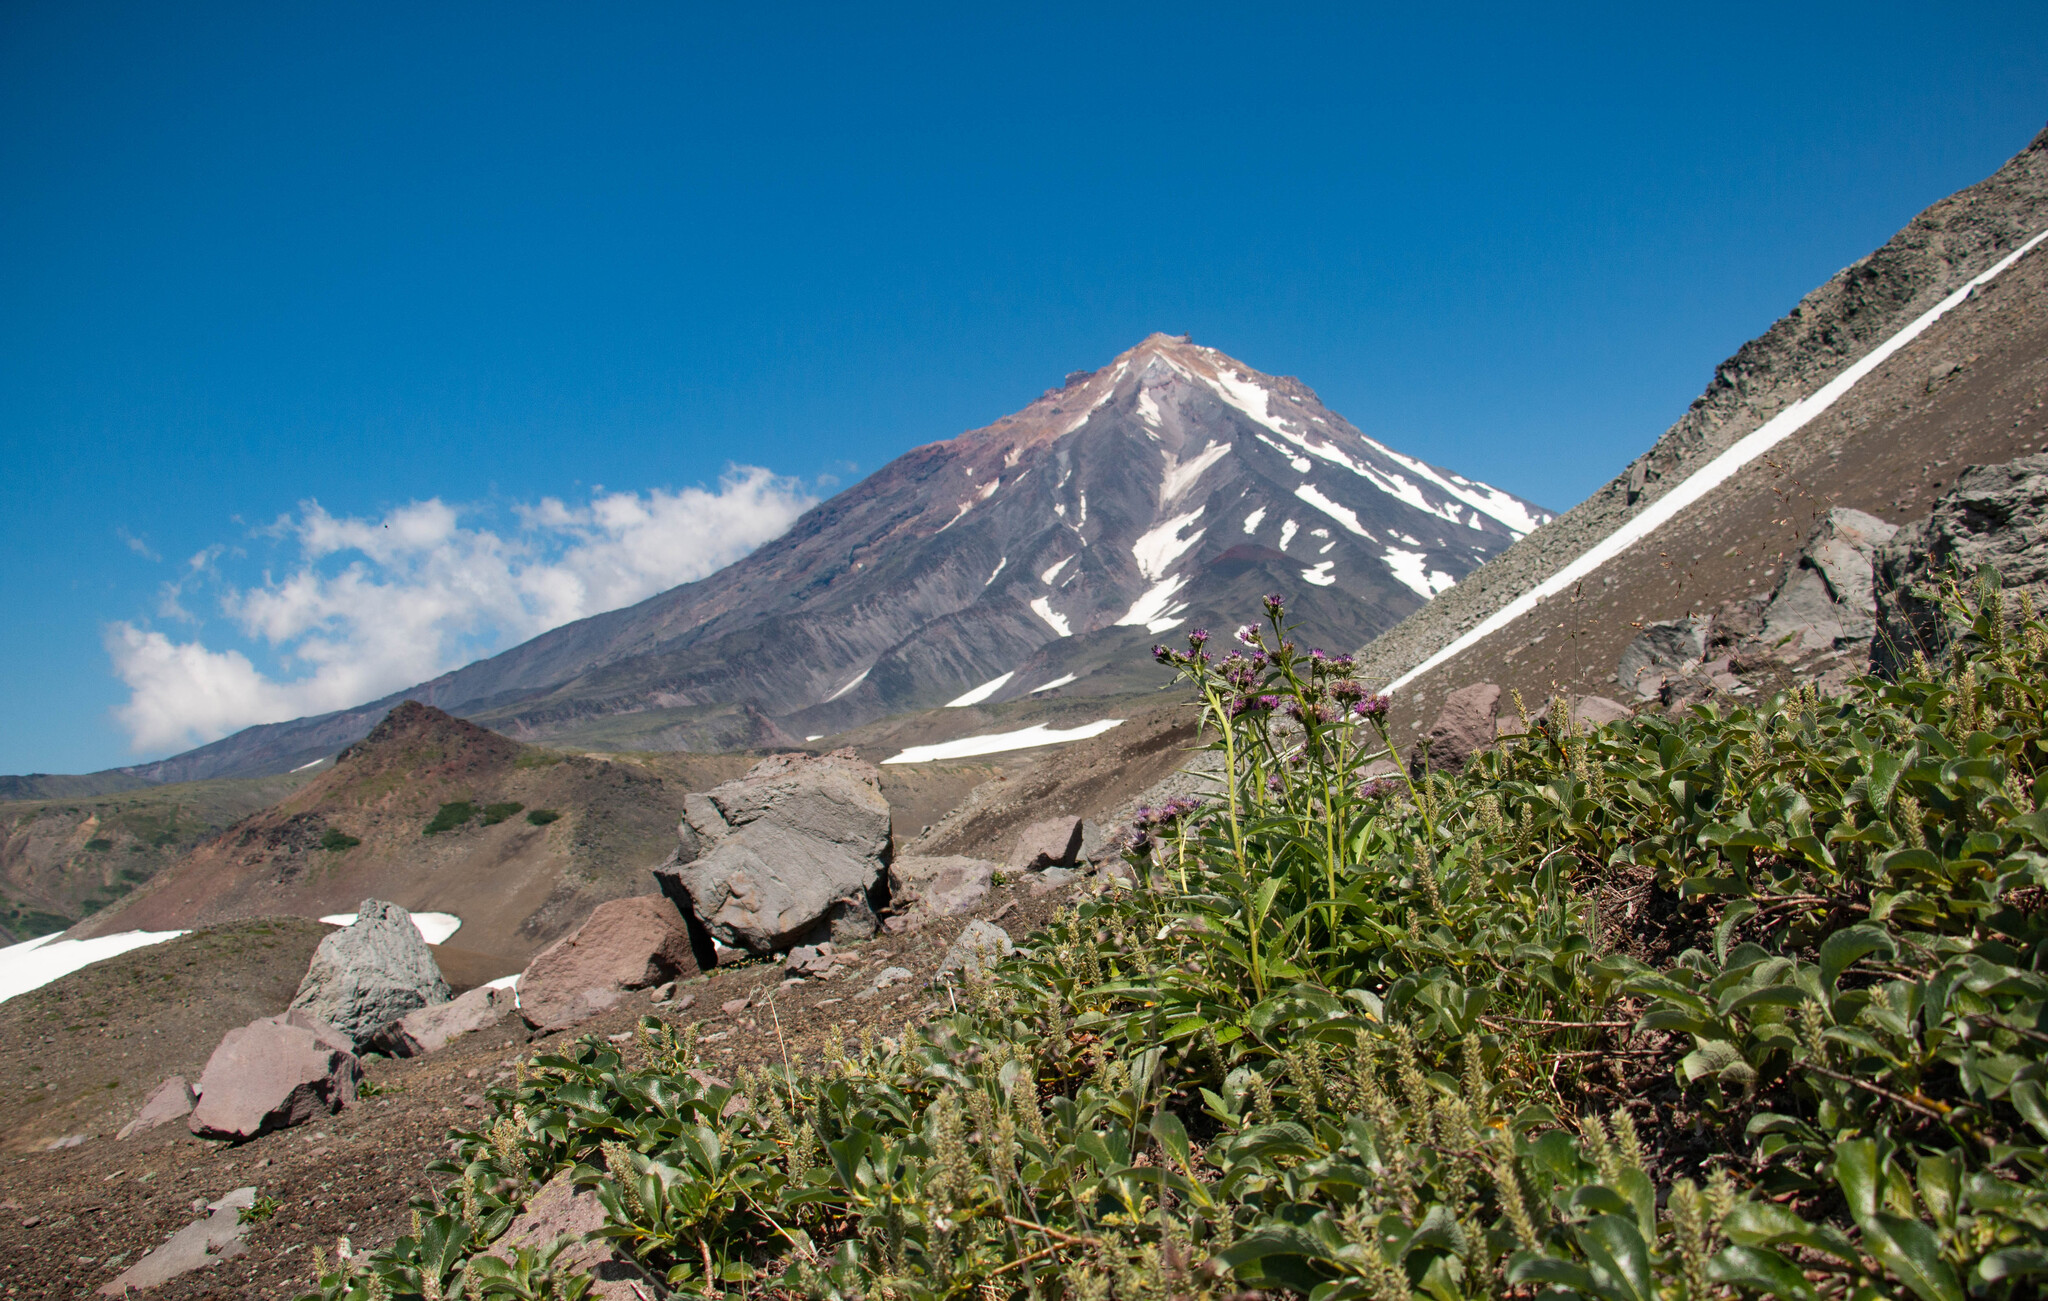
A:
x: 169, y: 1101
x: 430, y: 1028
x: 1054, y: 842
x: 270, y: 1075
x: 625, y: 944
x: 1464, y: 726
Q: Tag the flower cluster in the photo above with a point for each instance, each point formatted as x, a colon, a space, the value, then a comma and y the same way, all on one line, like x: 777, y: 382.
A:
x: 1148, y: 820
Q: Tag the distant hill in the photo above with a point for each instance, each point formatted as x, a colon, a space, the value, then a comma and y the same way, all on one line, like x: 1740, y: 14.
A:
x: 438, y: 815
x: 1165, y: 491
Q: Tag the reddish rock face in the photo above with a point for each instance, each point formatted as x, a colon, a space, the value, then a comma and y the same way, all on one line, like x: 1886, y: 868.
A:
x: 166, y: 1102
x: 271, y: 1075
x: 1055, y: 842
x: 430, y: 1028
x: 1464, y: 727
x: 559, y: 1208
x: 626, y: 944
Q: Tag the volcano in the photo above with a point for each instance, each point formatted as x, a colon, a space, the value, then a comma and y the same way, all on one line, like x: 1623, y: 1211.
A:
x: 1163, y: 492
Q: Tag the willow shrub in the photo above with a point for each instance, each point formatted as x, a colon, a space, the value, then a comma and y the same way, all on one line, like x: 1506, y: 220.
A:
x: 1344, y: 1035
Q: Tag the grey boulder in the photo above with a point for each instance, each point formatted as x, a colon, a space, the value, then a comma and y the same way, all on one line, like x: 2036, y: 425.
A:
x: 787, y: 854
x: 1826, y: 599
x: 429, y: 1029
x: 1996, y: 515
x: 365, y: 976
x: 272, y: 1074
x: 1662, y: 651
x: 950, y: 885
x: 980, y: 946
x: 1054, y: 842
x: 1463, y: 727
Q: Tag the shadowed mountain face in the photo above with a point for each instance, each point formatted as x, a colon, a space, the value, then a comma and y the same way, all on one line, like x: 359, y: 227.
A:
x: 1165, y: 491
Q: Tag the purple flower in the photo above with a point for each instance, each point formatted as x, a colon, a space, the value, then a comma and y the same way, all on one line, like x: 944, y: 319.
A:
x: 1198, y: 637
x: 1248, y: 634
x: 1163, y: 655
x: 1372, y: 707
x: 1376, y: 788
x: 1347, y: 690
x: 1276, y: 605
x: 1269, y: 703
x: 1294, y: 710
x: 1273, y: 783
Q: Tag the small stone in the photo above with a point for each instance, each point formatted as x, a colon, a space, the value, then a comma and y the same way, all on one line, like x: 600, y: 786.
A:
x: 1055, y: 842
x: 473, y: 1100
x: 734, y: 1006
x: 662, y: 993
x: 168, y: 1101
x: 890, y: 975
x: 686, y: 1002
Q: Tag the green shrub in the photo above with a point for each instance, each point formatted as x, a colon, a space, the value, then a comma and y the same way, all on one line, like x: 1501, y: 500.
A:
x: 99, y: 844
x: 335, y: 840
x: 450, y: 817
x: 493, y: 814
x: 541, y: 817
x: 1356, y: 1037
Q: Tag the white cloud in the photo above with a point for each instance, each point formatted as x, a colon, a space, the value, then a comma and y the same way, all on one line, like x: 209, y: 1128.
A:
x: 374, y: 605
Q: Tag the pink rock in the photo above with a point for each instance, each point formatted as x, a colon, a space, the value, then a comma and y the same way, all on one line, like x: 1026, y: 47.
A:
x: 1463, y: 727
x: 626, y: 944
x: 561, y: 1208
x: 166, y: 1102
x: 1056, y: 842
x: 271, y: 1075
x: 429, y: 1029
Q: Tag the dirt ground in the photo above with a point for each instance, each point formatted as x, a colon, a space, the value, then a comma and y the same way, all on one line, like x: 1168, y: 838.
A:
x: 71, y: 1219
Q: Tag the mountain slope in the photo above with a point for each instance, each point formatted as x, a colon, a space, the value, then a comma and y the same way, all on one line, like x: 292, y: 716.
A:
x: 1970, y: 389
x: 1167, y: 489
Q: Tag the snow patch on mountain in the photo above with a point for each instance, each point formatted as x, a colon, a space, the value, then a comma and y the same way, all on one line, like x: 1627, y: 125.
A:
x: 1157, y: 609
x: 1412, y: 568
x: 1252, y: 521
x: 1320, y: 574
x: 1159, y: 546
x: 1042, y: 607
x: 1048, y: 575
x: 1179, y: 478
x: 858, y: 678
x: 982, y: 692
x: 999, y: 742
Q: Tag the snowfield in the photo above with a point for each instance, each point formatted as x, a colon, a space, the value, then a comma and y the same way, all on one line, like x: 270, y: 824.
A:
x: 35, y: 963
x: 999, y: 742
x: 434, y: 928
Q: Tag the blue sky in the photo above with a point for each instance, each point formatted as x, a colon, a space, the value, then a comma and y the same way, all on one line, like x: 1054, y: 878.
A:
x: 528, y: 284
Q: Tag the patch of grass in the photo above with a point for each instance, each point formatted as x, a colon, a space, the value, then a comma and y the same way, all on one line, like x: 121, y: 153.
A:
x: 99, y: 844
x: 450, y: 817
x: 264, y: 1207
x: 541, y: 817
x: 335, y: 841
x: 495, y: 813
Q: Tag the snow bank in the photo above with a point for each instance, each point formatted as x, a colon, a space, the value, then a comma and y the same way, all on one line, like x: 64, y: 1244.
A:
x: 1056, y: 682
x: 998, y: 742
x: 35, y: 963
x: 434, y: 928
x: 982, y: 692
x: 1711, y: 475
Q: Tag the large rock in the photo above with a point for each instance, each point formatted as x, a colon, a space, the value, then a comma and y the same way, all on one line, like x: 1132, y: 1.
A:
x: 429, y: 1029
x: 269, y: 1075
x: 788, y: 854
x: 1662, y: 651
x: 169, y: 1101
x: 980, y: 946
x: 365, y: 976
x: 625, y: 944
x: 1826, y: 599
x: 1055, y: 842
x: 1463, y: 727
x: 200, y: 1245
x: 1996, y: 515
x: 560, y: 1209
x: 949, y: 885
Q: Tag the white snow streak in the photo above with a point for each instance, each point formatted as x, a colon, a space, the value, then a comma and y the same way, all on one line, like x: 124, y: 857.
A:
x: 35, y: 963
x: 1320, y: 574
x: 1054, y: 572
x: 1056, y: 682
x: 1713, y: 474
x: 997, y: 570
x: 315, y: 764
x: 434, y: 928
x: 1179, y: 478
x: 1412, y: 568
x: 1157, y: 609
x: 1042, y: 607
x: 1251, y: 521
x: 1158, y: 547
x: 998, y: 742
x: 1287, y: 532
x: 1148, y: 410
x: 982, y: 692
x: 859, y: 678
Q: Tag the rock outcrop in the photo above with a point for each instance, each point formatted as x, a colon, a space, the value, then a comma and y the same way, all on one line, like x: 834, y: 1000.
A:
x: 1663, y: 651
x: 430, y: 1028
x: 980, y: 946
x: 1826, y: 600
x: 1997, y: 516
x: 272, y: 1074
x: 1464, y: 726
x: 559, y: 1210
x: 949, y: 885
x: 1054, y: 842
x: 169, y: 1101
x: 199, y: 1245
x: 793, y: 852
x: 367, y: 975
x: 633, y: 943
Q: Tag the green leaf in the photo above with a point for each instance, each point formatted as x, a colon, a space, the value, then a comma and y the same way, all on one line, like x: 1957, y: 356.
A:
x: 1912, y: 1252
x: 2012, y: 1262
x: 1730, y: 919
x: 1845, y: 946
x: 1856, y: 1175
x: 1619, y: 1260
x: 2029, y: 1100
x: 1762, y: 1269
